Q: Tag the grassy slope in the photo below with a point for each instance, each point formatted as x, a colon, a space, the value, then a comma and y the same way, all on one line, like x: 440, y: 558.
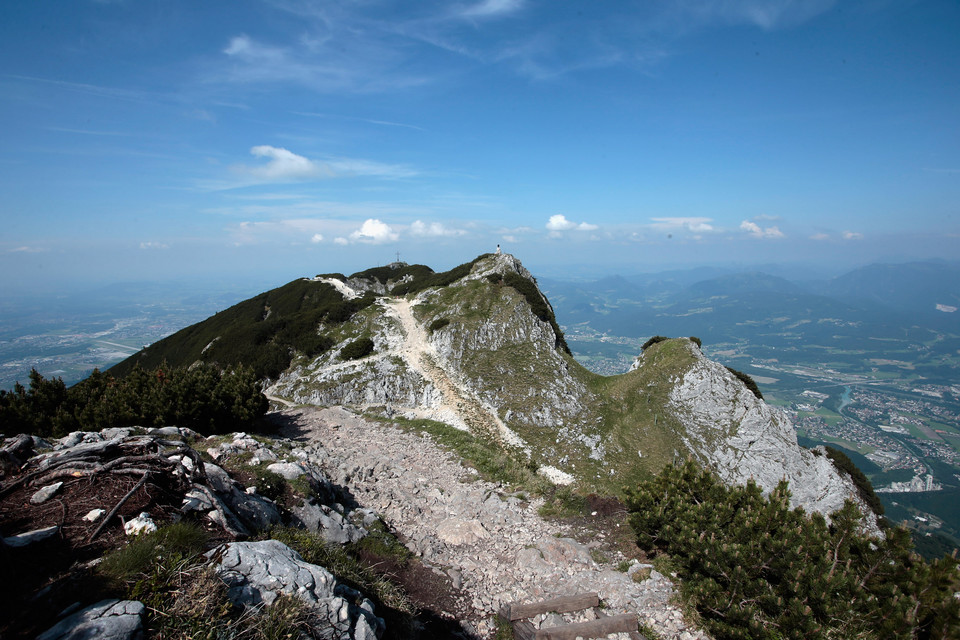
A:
x: 634, y: 417
x: 626, y: 411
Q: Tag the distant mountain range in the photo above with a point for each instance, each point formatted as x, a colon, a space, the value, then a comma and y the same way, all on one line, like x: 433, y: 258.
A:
x: 917, y: 301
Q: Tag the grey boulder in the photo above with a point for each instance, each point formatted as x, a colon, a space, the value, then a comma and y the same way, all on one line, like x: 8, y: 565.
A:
x: 257, y: 573
x: 106, y: 620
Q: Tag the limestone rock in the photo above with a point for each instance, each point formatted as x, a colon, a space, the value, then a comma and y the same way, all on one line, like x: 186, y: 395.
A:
x: 255, y: 512
x: 740, y: 437
x: 321, y: 519
x: 106, y: 620
x: 143, y: 523
x: 31, y: 537
x: 289, y: 470
x: 259, y: 572
x: 461, y: 532
x: 45, y: 493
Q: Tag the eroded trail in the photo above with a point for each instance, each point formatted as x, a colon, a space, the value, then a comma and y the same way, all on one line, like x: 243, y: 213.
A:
x: 421, y: 357
x: 493, y: 547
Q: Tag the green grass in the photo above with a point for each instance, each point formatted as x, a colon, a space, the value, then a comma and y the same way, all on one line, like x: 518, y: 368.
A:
x: 633, y: 416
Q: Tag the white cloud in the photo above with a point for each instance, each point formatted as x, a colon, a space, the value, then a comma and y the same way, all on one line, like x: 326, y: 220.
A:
x: 511, y: 238
x: 434, y: 229
x: 756, y: 231
x: 341, y: 241
x: 852, y: 235
x: 285, y: 165
x: 820, y: 236
x: 374, y: 231
x: 492, y: 8
x: 316, y: 238
x: 559, y: 222
x: 693, y: 224
x: 154, y: 245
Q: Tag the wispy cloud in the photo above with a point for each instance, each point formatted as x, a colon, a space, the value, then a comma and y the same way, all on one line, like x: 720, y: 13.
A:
x: 89, y: 132
x: 359, y: 62
x: 382, y: 123
x: 765, y: 14
x: 113, y: 93
x: 692, y: 224
x: 756, y: 231
x: 434, y: 230
x: 27, y: 249
x: 492, y: 8
x: 285, y: 166
x: 852, y: 235
x: 154, y: 245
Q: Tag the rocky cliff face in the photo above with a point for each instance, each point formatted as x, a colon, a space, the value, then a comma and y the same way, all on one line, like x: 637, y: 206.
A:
x: 727, y: 428
x: 474, y: 354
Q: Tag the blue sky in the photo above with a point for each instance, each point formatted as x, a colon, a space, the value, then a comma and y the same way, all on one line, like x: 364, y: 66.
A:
x: 241, y: 139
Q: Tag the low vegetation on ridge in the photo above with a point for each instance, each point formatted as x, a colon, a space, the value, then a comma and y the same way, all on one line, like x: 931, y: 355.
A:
x: 203, y: 398
x: 753, y: 568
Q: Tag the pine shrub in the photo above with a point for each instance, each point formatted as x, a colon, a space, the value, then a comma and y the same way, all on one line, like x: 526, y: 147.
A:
x: 754, y: 568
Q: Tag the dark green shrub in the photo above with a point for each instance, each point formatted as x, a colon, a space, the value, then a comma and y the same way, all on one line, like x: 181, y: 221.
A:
x: 264, y: 332
x: 747, y: 380
x: 359, y: 348
x: 752, y: 567
x: 438, y: 324
x: 201, y: 397
x: 695, y: 340
x: 269, y: 484
x: 426, y: 280
x: 652, y: 341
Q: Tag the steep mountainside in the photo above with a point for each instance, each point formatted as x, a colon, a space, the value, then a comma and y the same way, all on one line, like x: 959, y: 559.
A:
x: 478, y: 347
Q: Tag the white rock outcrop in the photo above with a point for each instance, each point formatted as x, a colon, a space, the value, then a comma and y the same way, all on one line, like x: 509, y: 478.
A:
x: 728, y: 429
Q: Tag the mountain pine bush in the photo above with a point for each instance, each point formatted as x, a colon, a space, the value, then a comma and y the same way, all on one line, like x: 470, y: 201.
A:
x: 204, y: 398
x: 753, y: 568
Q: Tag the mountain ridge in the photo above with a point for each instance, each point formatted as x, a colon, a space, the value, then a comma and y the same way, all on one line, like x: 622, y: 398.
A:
x: 466, y: 348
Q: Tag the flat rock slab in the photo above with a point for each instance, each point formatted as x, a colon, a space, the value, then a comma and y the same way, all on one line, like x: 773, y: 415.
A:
x: 45, y: 493
x: 289, y: 470
x: 459, y: 532
x: 30, y: 537
x: 106, y: 620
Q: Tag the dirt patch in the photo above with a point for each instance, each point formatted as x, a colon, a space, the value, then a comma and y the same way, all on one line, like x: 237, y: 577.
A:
x: 430, y: 593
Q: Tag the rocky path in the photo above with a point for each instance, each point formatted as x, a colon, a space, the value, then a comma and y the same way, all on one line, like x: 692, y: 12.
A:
x: 493, y: 547
x: 421, y: 357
